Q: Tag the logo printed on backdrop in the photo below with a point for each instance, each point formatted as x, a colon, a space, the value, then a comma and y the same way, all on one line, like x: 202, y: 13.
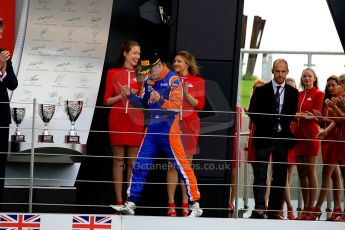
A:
x: 38, y: 48
x: 20, y: 222
x: 91, y: 222
x: 32, y: 80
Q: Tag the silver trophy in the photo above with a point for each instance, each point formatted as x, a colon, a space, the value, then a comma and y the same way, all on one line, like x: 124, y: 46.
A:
x: 18, y: 115
x: 73, y: 110
x: 46, y: 112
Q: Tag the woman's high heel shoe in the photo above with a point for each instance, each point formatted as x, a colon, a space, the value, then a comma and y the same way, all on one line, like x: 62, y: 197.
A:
x: 341, y: 218
x: 172, y: 209
x: 185, y: 209
x: 315, y: 214
x: 336, y: 213
x: 290, y: 214
x: 231, y: 210
x: 303, y: 215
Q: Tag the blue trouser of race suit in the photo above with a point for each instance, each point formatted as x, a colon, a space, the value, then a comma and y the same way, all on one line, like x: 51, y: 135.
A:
x: 172, y: 146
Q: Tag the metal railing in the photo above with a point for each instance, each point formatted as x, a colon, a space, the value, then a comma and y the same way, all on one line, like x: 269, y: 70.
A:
x: 243, y: 184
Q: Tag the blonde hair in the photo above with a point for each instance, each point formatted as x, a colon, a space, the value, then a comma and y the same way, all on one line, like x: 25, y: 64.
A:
x: 342, y: 79
x: 315, y: 84
x: 258, y: 82
x: 193, y: 67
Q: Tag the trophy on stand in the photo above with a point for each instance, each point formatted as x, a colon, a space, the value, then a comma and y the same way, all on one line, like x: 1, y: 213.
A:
x: 46, y: 112
x: 73, y: 110
x: 17, y: 116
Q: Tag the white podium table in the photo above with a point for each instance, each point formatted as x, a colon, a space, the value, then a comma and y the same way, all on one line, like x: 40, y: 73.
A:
x: 55, y: 165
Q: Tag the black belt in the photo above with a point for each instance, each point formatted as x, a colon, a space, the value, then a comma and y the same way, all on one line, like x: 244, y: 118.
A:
x: 165, y: 116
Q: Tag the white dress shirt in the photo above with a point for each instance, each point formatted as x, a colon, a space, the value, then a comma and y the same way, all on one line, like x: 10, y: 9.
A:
x: 281, y: 93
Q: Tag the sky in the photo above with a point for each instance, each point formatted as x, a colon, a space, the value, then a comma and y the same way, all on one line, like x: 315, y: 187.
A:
x: 297, y: 25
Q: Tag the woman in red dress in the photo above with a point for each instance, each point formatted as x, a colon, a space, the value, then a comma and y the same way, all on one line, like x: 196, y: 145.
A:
x: 187, y: 69
x: 233, y: 180
x: 341, y: 154
x: 337, y: 105
x: 329, y: 148
x: 307, y: 146
x: 126, y: 125
x: 251, y: 150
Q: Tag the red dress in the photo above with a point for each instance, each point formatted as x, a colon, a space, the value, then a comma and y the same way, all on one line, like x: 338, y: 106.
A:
x: 190, y: 124
x: 329, y: 149
x: 341, y: 147
x: 308, y: 129
x: 291, y: 153
x: 124, y: 128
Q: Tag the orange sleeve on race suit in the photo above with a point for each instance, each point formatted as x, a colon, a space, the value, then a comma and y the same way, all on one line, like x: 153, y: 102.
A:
x: 175, y: 98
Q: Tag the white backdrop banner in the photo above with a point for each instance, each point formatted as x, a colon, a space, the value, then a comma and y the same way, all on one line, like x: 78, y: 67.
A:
x: 63, y: 56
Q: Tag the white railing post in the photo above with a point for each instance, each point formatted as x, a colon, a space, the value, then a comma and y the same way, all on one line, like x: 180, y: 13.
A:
x: 32, y: 156
x: 237, y: 139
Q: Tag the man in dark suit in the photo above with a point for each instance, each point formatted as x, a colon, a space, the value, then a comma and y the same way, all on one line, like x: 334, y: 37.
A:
x: 272, y: 109
x: 8, y: 80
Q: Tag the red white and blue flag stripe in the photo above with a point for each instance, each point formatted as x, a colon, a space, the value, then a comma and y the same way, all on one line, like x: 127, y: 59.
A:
x: 91, y: 222
x: 19, y: 222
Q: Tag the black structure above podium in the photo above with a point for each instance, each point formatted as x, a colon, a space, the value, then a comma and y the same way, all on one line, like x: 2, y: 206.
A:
x: 337, y: 10
x: 212, y: 31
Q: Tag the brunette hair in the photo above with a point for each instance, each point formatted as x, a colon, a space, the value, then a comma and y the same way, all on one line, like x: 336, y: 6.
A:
x: 327, y: 94
x: 125, y: 47
x: 193, y: 67
x: 280, y: 60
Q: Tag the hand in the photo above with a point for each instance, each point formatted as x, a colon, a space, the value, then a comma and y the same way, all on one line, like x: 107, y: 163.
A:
x: 185, y: 88
x: 336, y: 101
x: 134, y: 91
x: 341, y: 104
x: 4, y: 56
x: 317, y: 113
x: 3, y: 66
x: 330, y: 103
x: 309, y: 116
x: 154, y: 97
x: 125, y: 92
x: 301, y: 115
x: 321, y: 135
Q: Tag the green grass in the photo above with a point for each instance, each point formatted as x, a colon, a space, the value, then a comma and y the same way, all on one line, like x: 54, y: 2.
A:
x: 246, y: 91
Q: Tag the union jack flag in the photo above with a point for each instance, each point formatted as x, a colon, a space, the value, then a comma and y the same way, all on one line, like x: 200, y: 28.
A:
x: 19, y: 222
x: 91, y: 222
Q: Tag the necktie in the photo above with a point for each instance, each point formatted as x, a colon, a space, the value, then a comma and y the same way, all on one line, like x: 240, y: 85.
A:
x: 277, y: 98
